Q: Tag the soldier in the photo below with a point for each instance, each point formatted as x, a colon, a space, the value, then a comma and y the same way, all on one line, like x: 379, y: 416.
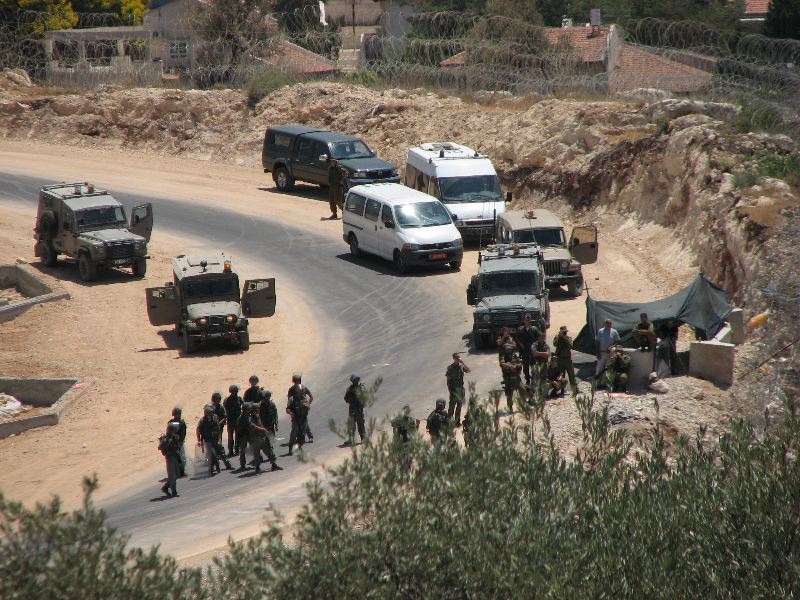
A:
x: 337, y: 179
x: 606, y: 339
x: 455, y: 387
x: 233, y: 408
x: 438, y: 422
x: 355, y: 396
x: 219, y: 411
x: 540, y: 356
x: 643, y: 333
x: 298, y: 406
x: 404, y: 425
x: 475, y: 415
x: 555, y: 377
x: 261, y: 428
x: 505, y: 338
x: 511, y: 367
x: 177, y: 418
x: 243, y: 433
x: 617, y: 370
x: 169, y: 444
x: 525, y: 338
x: 208, y: 432
x: 253, y: 393
x: 562, y: 347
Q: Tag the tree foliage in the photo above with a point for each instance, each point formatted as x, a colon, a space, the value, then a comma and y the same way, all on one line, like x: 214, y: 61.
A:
x: 35, y: 17
x: 783, y: 19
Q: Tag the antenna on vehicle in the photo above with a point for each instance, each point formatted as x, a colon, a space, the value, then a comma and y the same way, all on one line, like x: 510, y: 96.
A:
x: 441, y: 153
x: 203, y: 265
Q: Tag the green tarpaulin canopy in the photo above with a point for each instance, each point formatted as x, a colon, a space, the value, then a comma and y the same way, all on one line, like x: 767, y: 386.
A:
x: 702, y: 305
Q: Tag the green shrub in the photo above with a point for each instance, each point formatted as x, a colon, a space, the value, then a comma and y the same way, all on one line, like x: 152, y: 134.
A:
x: 781, y: 166
x: 744, y: 179
x: 756, y: 115
x: 264, y: 83
x: 364, y: 77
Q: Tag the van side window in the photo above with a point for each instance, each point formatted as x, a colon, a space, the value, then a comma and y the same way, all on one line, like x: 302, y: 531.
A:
x: 304, y: 150
x: 355, y: 203
x: 386, y: 214
x: 373, y: 209
x: 419, y: 185
x: 435, y: 188
x: 426, y: 179
x: 411, y: 176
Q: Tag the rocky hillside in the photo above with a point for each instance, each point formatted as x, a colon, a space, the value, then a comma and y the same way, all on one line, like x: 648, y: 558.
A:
x: 678, y: 163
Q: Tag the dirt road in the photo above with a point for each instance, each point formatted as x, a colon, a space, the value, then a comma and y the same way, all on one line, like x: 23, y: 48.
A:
x: 334, y: 315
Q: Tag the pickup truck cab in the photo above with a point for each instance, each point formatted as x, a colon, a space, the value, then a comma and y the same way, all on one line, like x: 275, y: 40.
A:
x: 299, y: 153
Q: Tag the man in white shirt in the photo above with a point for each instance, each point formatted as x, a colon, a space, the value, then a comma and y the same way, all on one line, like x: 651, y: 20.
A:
x: 606, y: 339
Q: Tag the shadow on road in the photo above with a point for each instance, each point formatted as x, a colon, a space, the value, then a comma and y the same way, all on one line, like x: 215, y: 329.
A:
x: 385, y: 267
x: 67, y: 270
x: 311, y: 192
x: 173, y: 341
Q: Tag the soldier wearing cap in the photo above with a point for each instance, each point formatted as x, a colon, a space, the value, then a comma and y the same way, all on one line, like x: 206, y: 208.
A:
x: 438, y: 421
x: 233, y: 408
x: 526, y: 336
x: 253, y: 393
x: 562, y: 348
x: 355, y: 397
x: 455, y: 387
x: 298, y: 406
x: 219, y: 410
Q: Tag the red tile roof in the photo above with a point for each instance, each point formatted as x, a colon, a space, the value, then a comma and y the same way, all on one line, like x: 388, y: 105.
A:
x: 756, y: 8
x: 301, y: 61
x: 639, y: 68
x: 457, y: 60
x: 590, y: 47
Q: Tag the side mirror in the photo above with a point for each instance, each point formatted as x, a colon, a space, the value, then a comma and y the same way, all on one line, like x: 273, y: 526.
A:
x: 454, y: 217
x: 324, y: 158
x: 169, y: 283
x: 388, y: 224
x: 509, y: 196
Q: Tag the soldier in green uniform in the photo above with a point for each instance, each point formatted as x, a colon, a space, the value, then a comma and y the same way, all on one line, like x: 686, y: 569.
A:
x: 404, y: 425
x: 355, y: 396
x: 268, y: 417
x: 253, y: 393
x: 337, y: 178
x: 455, y: 387
x: 233, y: 408
x: 526, y: 336
x: 298, y: 406
x: 169, y: 445
x: 438, y: 422
x: 511, y: 367
x: 540, y: 358
x: 243, y: 433
x: 562, y: 348
x: 644, y: 333
x: 617, y: 371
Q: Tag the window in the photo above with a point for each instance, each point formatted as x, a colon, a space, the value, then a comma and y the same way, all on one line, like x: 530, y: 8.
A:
x: 320, y: 148
x: 355, y: 203
x: 305, y: 150
x: 178, y: 49
x: 209, y: 288
x: 426, y: 179
x: 373, y: 209
x: 354, y: 149
x: 101, y: 216
x: 386, y: 215
x: 279, y: 140
x: 420, y: 182
x: 434, y: 191
x: 478, y: 188
x: 68, y: 219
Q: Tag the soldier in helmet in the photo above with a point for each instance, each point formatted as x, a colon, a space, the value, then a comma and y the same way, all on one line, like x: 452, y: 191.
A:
x: 219, y: 410
x: 253, y: 393
x: 511, y: 367
x: 298, y: 406
x: 268, y: 415
x: 355, y: 397
x: 243, y: 433
x: 178, y: 418
x: 438, y: 421
x: 208, y: 432
x: 169, y: 445
x: 262, y: 426
x: 455, y: 387
x: 233, y: 408
x: 404, y: 425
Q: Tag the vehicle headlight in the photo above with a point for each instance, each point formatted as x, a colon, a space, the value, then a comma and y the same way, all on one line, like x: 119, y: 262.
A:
x: 360, y: 174
x: 410, y: 247
x: 395, y: 172
x: 230, y: 319
x: 100, y: 250
x: 139, y: 247
x: 486, y: 317
x: 564, y: 264
x: 202, y: 321
x: 457, y: 243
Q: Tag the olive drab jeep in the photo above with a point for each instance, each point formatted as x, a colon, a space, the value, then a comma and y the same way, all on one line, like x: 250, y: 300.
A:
x: 205, y: 304
x: 562, y: 258
x: 89, y: 225
x: 509, y: 285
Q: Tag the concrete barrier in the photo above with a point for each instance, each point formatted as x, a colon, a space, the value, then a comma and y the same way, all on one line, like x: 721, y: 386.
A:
x: 56, y: 395
x: 712, y: 360
x: 736, y: 323
x: 28, y: 284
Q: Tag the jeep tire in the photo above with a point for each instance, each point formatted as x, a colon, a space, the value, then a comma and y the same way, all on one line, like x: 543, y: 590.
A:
x: 575, y: 286
x: 189, y: 344
x: 283, y: 181
x: 244, y: 340
x: 47, y: 225
x: 47, y: 253
x: 139, y: 267
x: 86, y: 268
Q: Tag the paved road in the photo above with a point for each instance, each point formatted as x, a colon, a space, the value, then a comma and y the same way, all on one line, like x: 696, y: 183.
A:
x: 371, y: 321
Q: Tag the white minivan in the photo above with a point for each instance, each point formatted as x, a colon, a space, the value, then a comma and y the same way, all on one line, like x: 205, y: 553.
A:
x: 402, y: 225
x: 463, y: 180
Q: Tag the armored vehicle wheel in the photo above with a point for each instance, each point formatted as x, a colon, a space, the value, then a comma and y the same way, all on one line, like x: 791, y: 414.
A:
x: 244, y: 340
x: 189, y: 344
x: 283, y: 181
x: 575, y: 288
x: 47, y: 253
x: 86, y: 268
x: 139, y: 267
x: 399, y: 263
x: 354, y: 249
x: 47, y: 225
x: 481, y: 341
x: 455, y: 265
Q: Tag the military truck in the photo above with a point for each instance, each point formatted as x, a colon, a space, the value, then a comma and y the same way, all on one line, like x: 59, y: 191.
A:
x: 562, y: 259
x: 204, y: 304
x: 88, y: 224
x: 509, y: 284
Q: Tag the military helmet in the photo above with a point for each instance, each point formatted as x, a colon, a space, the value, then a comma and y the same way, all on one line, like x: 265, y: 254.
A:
x: 253, y: 379
x: 297, y: 377
x: 208, y: 408
x: 354, y: 378
x: 440, y: 403
x: 216, y: 396
x: 247, y: 405
x: 266, y: 394
x: 233, y: 389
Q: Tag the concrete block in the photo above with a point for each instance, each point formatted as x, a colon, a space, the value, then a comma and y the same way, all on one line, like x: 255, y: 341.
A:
x: 725, y: 334
x: 641, y: 367
x: 28, y: 284
x: 736, y: 322
x: 56, y: 395
x: 713, y: 361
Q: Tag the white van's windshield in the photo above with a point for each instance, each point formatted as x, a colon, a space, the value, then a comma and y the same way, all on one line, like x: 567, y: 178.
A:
x: 422, y: 214
x: 480, y: 188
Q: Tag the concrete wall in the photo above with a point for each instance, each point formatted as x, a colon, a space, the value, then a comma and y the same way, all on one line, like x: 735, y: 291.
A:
x: 712, y: 360
x: 56, y: 394
x: 641, y: 367
x: 30, y: 285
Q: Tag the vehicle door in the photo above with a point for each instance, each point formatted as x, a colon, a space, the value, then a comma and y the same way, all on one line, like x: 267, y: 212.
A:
x: 583, y: 244
x: 387, y: 232
x: 142, y: 220
x: 303, y: 160
x: 319, y: 164
x: 259, y: 298
x: 372, y: 213
x: 353, y: 221
x: 163, y: 306
x: 67, y: 241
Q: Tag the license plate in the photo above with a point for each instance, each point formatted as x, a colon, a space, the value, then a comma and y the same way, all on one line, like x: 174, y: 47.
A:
x: 438, y: 255
x: 121, y: 261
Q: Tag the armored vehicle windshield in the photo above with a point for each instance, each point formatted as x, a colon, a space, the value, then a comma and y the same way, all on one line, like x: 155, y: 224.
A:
x: 510, y: 282
x: 220, y: 288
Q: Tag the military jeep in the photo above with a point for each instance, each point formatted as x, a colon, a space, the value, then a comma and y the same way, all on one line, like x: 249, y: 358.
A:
x: 509, y: 284
x: 562, y: 260
x: 204, y: 304
x: 89, y: 225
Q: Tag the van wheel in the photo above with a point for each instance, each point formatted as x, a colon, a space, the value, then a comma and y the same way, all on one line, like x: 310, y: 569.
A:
x: 283, y: 181
x: 86, y: 268
x: 455, y: 265
x: 47, y: 253
x: 355, y: 251
x: 399, y: 263
x: 575, y: 288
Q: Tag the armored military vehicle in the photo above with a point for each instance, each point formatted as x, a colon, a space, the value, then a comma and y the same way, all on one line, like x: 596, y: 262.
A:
x: 562, y: 259
x: 204, y: 303
x: 509, y: 284
x: 89, y: 225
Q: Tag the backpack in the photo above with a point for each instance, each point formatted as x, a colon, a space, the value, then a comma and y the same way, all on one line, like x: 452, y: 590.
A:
x: 163, y: 444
